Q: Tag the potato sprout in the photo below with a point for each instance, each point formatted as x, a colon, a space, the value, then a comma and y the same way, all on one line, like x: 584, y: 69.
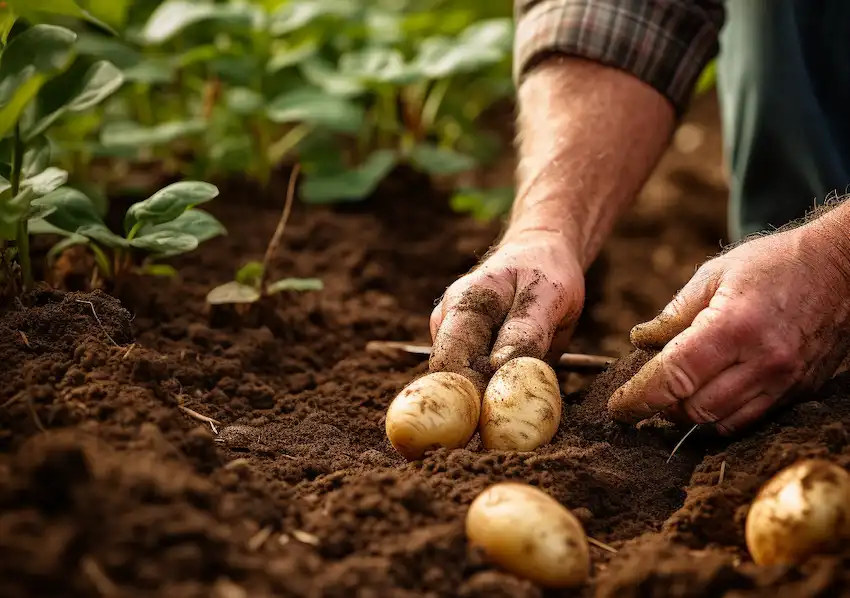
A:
x: 522, y: 406
x: 804, y: 509
x: 530, y: 534
x: 437, y: 410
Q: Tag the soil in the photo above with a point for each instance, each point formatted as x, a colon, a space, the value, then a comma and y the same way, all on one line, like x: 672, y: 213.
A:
x: 114, y: 483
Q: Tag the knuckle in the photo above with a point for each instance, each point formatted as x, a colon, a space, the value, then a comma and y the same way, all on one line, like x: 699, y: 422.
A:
x: 676, y: 381
x: 782, y: 359
x: 699, y: 414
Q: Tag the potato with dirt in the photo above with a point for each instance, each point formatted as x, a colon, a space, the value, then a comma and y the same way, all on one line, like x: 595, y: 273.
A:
x: 437, y: 410
x: 521, y: 409
x: 527, y: 532
x: 803, y: 510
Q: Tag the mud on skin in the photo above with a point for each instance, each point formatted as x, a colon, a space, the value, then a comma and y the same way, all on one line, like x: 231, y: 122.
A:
x: 127, y: 488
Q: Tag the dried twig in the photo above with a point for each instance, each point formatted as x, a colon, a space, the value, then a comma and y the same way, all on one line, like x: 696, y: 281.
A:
x: 676, y: 448
x: 127, y: 354
x: 722, y: 472
x: 198, y: 416
x: 15, y: 398
x: 35, y: 417
x: 601, y: 545
x: 96, y: 317
x: 237, y: 463
x: 25, y: 339
x: 257, y: 540
x: 274, y: 244
x: 305, y: 537
x: 103, y: 585
x: 567, y: 360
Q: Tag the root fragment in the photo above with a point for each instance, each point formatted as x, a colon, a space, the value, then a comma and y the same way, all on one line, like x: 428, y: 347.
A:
x: 96, y: 317
x: 601, y: 545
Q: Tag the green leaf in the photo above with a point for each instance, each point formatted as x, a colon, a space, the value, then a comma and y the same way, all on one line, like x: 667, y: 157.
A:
x: 130, y: 134
x: 352, y: 185
x: 377, y: 65
x: 482, y: 44
x: 326, y: 76
x: 316, y: 107
x: 7, y: 21
x: 291, y: 56
x: 243, y: 100
x: 73, y: 209
x: 152, y: 70
x: 198, y: 54
x: 173, y: 16
x: 37, y: 212
x: 36, y: 158
x: 103, y: 47
x: 707, y: 79
x: 14, y: 210
x: 436, y: 160
x: 250, y: 274
x: 483, y: 204
x: 295, y: 284
x: 46, y: 181
x: 197, y: 223
x: 101, y: 80
x: 112, y: 12
x: 38, y: 11
x: 166, y: 242
x: 168, y: 203
x: 297, y: 14
x: 163, y: 270
x: 104, y: 236
x: 29, y: 60
x: 232, y: 292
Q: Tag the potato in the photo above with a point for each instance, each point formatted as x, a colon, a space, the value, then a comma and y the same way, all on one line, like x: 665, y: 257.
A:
x: 804, y: 509
x: 530, y: 534
x: 437, y: 410
x: 522, y: 406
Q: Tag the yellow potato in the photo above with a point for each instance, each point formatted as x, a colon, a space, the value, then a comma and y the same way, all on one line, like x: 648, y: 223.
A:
x: 436, y: 410
x: 521, y: 409
x: 530, y: 534
x: 803, y: 510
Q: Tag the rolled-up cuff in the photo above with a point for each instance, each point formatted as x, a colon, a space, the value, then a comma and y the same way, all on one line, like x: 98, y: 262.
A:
x: 664, y: 43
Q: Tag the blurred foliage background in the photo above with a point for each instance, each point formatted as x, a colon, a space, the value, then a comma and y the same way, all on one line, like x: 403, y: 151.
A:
x: 347, y: 88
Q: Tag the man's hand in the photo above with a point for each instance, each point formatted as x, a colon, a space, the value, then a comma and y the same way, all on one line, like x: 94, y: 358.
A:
x: 527, y: 292
x: 758, y: 325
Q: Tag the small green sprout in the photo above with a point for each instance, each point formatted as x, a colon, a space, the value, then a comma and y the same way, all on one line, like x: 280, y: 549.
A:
x: 252, y: 280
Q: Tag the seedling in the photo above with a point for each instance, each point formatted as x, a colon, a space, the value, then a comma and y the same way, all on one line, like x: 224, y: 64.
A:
x: 252, y: 280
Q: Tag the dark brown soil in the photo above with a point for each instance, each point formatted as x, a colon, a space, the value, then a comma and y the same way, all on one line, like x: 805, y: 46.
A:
x: 110, y: 486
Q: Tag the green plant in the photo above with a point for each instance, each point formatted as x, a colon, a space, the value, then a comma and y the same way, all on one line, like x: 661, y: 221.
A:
x: 252, y: 281
x: 162, y: 226
x: 44, y: 80
x: 348, y: 88
x: 41, y: 81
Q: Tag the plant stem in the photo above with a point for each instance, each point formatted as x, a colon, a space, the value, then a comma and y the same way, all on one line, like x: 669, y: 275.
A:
x: 22, y: 237
x: 277, y: 150
x: 264, y: 166
x: 274, y: 244
x: 431, y: 106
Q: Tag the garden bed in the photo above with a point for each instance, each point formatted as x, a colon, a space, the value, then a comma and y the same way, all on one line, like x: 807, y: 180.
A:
x: 110, y: 485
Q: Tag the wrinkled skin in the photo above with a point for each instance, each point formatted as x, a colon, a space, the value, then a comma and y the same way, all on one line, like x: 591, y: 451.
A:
x: 523, y: 300
x: 759, y: 325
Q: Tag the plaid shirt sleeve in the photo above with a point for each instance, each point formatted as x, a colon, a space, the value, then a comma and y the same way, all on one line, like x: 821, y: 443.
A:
x: 665, y: 43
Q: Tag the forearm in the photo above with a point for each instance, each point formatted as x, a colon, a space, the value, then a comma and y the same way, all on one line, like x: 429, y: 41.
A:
x: 589, y: 136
